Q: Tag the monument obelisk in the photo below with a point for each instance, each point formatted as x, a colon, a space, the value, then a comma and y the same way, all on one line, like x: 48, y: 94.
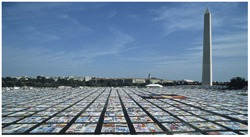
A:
x: 207, y: 50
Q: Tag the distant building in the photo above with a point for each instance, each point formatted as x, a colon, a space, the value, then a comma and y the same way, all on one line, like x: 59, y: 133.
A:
x: 55, y: 78
x: 149, y: 76
x: 118, y: 80
x: 18, y: 77
x: 26, y: 78
x: 166, y: 81
x: 152, y: 81
x: 187, y: 82
x: 130, y: 80
x: 87, y: 78
x: 62, y: 77
x: 39, y: 77
x: 138, y: 80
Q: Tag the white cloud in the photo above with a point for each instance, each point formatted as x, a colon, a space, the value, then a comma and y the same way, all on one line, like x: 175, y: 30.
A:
x: 114, y: 45
x: 63, y: 16
x: 36, y: 34
x: 133, y: 16
x: 41, y: 60
x: 230, y: 45
x: 38, y: 56
x: 112, y: 14
x: 43, y: 36
x: 30, y: 10
x: 189, y: 16
x: 101, y: 5
x: 195, y: 48
x: 228, y: 49
x: 221, y: 48
x: 178, y: 18
x: 74, y: 22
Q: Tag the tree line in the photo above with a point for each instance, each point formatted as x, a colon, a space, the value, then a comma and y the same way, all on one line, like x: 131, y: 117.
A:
x: 235, y: 83
x: 42, y: 82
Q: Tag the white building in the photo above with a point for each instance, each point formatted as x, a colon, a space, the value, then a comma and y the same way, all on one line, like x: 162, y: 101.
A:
x: 87, y: 78
x: 154, y: 86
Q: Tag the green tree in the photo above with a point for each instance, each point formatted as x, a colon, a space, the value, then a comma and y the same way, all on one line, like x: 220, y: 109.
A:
x: 39, y: 84
x: 10, y: 84
x: 55, y: 84
x: 46, y: 84
x: 101, y: 81
x: 81, y: 83
x: 61, y: 81
x: 237, y: 83
x: 115, y: 84
x: 10, y: 79
x: 142, y: 85
x: 120, y: 84
x: 110, y: 83
x: 19, y: 84
x: 30, y: 83
x: 166, y: 84
x: 89, y: 83
x: 103, y: 84
x: 128, y: 84
x: 68, y: 82
x: 94, y: 85
x: 3, y: 84
x: 98, y: 85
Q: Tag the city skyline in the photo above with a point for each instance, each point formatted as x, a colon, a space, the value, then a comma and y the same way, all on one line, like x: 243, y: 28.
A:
x: 122, y: 39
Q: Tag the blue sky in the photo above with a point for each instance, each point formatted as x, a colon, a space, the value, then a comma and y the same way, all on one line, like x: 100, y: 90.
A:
x: 123, y: 39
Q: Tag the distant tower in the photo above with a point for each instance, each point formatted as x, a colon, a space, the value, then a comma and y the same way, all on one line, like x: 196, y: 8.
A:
x: 149, y: 76
x: 207, y: 50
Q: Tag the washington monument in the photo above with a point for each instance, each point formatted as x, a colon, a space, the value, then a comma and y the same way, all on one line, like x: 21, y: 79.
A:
x: 207, y: 50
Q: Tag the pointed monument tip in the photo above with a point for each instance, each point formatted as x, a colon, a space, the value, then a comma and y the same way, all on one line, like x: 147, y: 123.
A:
x: 207, y: 11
